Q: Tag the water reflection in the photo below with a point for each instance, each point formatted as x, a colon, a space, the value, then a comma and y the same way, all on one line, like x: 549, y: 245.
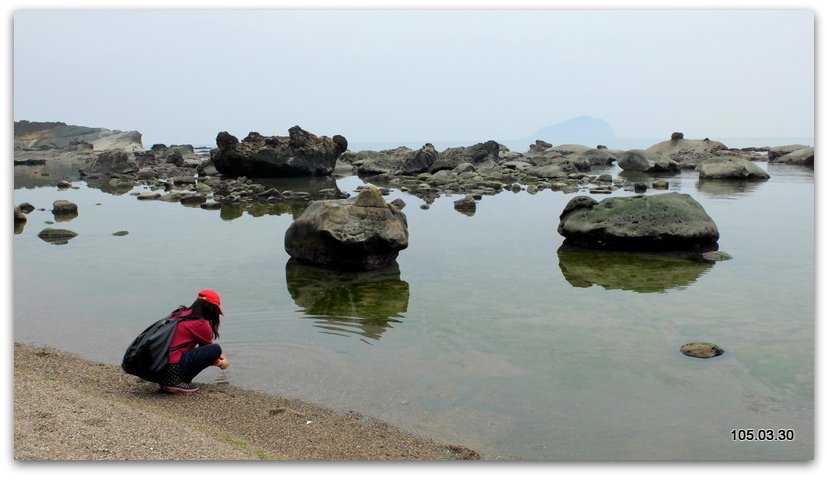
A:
x: 638, y: 272
x: 642, y: 177
x: 348, y: 303
x: 726, y: 188
x: 116, y: 187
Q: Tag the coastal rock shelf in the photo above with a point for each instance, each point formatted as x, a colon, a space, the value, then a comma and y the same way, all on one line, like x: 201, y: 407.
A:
x: 230, y: 178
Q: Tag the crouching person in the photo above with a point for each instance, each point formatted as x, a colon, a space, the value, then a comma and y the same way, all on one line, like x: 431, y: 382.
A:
x: 192, y: 348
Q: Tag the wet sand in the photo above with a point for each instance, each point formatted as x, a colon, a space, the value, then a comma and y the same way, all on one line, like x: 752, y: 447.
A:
x: 68, y: 408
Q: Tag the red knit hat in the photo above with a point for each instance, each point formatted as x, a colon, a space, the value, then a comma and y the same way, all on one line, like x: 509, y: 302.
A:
x: 212, y: 297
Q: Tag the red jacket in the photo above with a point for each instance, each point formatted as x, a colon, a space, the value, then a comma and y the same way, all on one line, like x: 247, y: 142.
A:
x: 188, y: 335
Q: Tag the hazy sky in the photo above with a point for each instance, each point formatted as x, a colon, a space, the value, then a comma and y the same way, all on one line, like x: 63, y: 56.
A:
x: 183, y: 76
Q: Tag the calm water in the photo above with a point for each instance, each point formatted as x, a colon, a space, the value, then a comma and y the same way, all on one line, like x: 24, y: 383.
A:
x: 487, y: 335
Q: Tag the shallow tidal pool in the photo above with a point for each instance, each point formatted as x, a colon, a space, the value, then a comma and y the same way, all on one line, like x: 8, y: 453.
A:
x: 488, y: 334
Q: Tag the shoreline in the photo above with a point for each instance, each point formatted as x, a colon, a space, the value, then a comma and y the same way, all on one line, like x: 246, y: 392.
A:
x: 70, y: 408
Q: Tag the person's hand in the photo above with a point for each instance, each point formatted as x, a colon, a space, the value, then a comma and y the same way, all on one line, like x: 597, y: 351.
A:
x: 223, y: 362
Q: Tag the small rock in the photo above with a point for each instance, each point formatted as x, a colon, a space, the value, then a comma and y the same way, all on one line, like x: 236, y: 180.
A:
x: 26, y: 207
x: 56, y: 236
x: 515, y: 187
x: 64, y: 185
x: 120, y: 233
x: 677, y: 136
x: 532, y: 189
x: 146, y: 196
x: 190, y: 199
x: 398, y: 203
x: 715, y: 256
x: 467, y: 205
x: 425, y: 206
x: 701, y: 350
x: 62, y: 207
x: 640, y: 187
x: 211, y: 205
x: 661, y: 184
x: 19, y: 217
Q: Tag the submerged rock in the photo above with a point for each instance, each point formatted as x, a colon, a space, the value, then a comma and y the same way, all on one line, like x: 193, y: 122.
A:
x: 703, y: 350
x: 669, y: 221
x: 716, y: 256
x: 362, y: 233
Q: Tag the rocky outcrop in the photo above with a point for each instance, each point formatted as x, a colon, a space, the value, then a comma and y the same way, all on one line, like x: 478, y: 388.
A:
x: 661, y: 222
x: 480, y: 155
x: 109, y: 162
x: 687, y: 153
x: 646, y: 161
x: 731, y: 167
x: 30, y: 135
x: 776, y: 152
x: 363, y: 233
x: 399, y: 161
x: 802, y: 157
x: 299, y: 154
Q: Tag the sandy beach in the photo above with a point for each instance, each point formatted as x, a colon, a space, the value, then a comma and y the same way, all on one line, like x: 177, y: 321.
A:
x: 68, y: 408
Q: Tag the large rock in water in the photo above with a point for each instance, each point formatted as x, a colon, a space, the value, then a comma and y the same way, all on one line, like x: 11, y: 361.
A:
x: 731, y: 167
x: 669, y: 222
x: 362, y: 233
x: 802, y: 157
x: 687, y: 153
x: 645, y: 161
x: 299, y: 154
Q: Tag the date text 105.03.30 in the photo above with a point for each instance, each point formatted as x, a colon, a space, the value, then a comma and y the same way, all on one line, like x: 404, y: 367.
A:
x: 762, y: 434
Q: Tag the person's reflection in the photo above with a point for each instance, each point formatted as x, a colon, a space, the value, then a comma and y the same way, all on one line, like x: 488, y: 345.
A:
x: 347, y: 303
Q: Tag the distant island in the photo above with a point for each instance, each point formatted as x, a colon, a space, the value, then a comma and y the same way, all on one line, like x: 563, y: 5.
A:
x: 580, y: 130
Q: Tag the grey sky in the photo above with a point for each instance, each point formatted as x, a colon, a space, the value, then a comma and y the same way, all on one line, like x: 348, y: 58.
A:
x: 183, y: 76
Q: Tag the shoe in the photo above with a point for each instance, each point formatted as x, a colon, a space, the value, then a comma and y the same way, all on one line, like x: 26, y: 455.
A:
x: 180, y: 388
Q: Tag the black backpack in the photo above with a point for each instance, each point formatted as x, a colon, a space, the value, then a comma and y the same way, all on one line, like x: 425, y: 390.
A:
x: 149, y: 353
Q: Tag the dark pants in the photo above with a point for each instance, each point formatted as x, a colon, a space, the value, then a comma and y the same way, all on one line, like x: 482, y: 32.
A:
x: 196, y: 360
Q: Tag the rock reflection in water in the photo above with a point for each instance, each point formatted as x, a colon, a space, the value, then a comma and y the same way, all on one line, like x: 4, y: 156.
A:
x: 638, y: 272
x: 347, y: 303
x: 724, y: 188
